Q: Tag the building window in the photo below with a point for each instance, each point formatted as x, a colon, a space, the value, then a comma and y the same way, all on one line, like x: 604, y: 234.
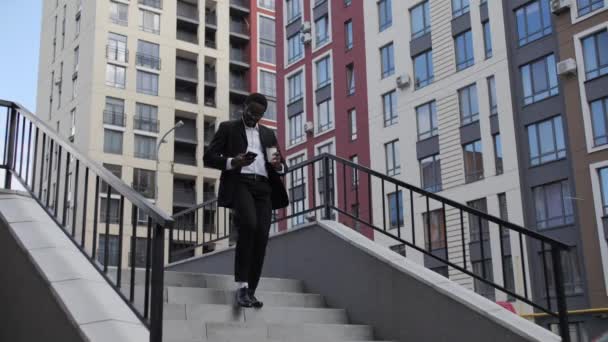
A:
x: 574, y: 329
x: 267, y: 40
x: 267, y: 4
x: 148, y: 55
x: 352, y: 119
x: 295, y: 87
x: 539, y: 79
x: 73, y: 122
x: 464, y: 50
x: 149, y: 22
x: 599, y: 118
x: 423, y: 69
x: 115, y: 76
x: 487, y: 39
x: 473, y: 161
x: 385, y: 14
x: 389, y: 105
x: 350, y: 79
x: 420, y: 17
x: 587, y: 6
x: 475, y: 230
x: 469, y: 108
x: 482, y: 288
x: 595, y: 49
x: 147, y: 83
x: 348, y: 34
x: 430, y: 173
x: 112, y: 244
x: 268, y: 87
x: 114, y: 112
x: 296, y: 128
x: 321, y: 30
x: 604, y: 188
x: 498, y: 154
x: 143, y: 182
x: 323, y: 72
x: 459, y: 7
x: 295, y: 48
x: 553, y: 205
x: 145, y: 147
x: 393, y: 166
x: 354, y: 179
x: 294, y: 11
x: 546, y: 141
x: 395, y: 207
x: 119, y: 13
x: 387, y: 60
x: 146, y: 118
x: 77, y: 27
x: 76, y: 58
x: 503, y: 208
x: 324, y: 112
x: 112, y: 141
x: 297, y: 191
x: 573, y: 283
x: 434, y: 230
x: 426, y: 117
x: 116, y: 170
x: 533, y: 21
x: 74, y: 86
x: 116, y: 49
x: 492, y: 95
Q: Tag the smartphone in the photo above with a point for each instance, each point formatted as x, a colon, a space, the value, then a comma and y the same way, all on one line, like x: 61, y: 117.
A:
x: 251, y: 155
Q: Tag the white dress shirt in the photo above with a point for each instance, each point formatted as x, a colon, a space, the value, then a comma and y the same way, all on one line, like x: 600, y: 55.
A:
x: 254, y: 144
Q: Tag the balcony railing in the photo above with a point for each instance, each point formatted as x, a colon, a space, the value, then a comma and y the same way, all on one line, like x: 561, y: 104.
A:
x: 186, y: 70
x: 148, y: 61
x: 187, y: 36
x: 239, y: 83
x: 114, y: 118
x: 210, y: 76
x: 239, y: 27
x: 211, y: 19
x: 188, y: 11
x: 186, y: 96
x: 116, y: 54
x: 146, y: 190
x: 181, y: 195
x: 185, y: 159
x: 145, y: 124
x: 152, y: 3
x: 239, y: 55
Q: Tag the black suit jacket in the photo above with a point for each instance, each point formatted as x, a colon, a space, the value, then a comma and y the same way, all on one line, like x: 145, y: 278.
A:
x: 230, y: 140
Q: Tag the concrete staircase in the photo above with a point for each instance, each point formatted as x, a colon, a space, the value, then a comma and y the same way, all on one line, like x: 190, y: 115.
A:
x: 200, y: 308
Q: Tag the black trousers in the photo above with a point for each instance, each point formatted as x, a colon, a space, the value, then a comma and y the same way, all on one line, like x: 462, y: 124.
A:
x: 253, y: 209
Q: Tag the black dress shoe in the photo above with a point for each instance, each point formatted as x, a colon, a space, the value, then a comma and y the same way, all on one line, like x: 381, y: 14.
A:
x: 242, y: 298
x: 254, y: 301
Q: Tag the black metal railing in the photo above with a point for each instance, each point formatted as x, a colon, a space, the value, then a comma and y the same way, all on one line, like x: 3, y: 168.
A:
x: 114, y: 118
x: 117, y: 54
x: 336, y: 197
x: 145, y: 124
x: 148, y: 61
x: 39, y: 159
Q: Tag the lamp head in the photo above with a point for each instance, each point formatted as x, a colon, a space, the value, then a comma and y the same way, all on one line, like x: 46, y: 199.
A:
x: 179, y: 124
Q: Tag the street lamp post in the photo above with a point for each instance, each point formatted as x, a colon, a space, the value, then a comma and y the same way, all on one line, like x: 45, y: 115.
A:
x: 180, y: 123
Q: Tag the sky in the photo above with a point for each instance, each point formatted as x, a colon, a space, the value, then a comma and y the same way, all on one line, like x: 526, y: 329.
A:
x: 20, y: 40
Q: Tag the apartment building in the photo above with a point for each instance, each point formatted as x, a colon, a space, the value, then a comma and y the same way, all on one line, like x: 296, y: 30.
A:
x: 582, y: 46
x: 116, y: 75
x: 322, y: 96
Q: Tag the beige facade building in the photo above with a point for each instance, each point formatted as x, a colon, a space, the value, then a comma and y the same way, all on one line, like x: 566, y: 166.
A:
x: 115, y: 75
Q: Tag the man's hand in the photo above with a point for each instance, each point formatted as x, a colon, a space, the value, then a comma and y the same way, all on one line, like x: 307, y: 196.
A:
x: 242, y: 160
x: 276, y: 161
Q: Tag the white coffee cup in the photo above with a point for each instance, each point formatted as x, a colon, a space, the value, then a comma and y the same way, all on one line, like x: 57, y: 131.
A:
x: 270, y: 151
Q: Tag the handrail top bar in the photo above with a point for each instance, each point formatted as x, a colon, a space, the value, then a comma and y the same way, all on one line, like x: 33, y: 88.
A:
x: 447, y: 201
x: 157, y: 214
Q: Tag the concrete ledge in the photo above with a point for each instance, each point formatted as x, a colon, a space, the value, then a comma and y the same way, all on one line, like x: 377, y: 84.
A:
x: 402, y: 300
x: 59, y: 293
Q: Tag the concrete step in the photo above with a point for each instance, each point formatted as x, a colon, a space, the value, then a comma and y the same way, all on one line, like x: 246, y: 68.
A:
x: 287, y: 332
x: 195, y: 295
x: 215, y: 281
x: 229, y: 313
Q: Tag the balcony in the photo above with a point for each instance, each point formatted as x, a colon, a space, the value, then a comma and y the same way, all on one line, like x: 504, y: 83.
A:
x: 187, y: 11
x: 183, y: 197
x: 186, y: 34
x: 239, y: 55
x: 185, y: 154
x: 210, y: 39
x: 186, y: 91
x: 239, y: 27
x: 186, y: 70
x: 145, y: 124
x: 114, y: 118
x: 211, y: 19
x: 116, y: 54
x: 152, y: 3
x: 239, y: 83
x: 241, y: 5
x: 146, y: 190
x: 148, y: 61
x: 186, y: 133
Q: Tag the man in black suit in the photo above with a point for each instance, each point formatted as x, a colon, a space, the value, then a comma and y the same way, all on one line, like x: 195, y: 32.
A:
x: 251, y: 185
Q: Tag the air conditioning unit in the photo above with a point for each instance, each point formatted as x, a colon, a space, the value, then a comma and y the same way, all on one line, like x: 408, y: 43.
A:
x: 306, y: 38
x: 559, y: 6
x: 309, y: 127
x: 306, y: 27
x: 566, y: 67
x: 403, y: 81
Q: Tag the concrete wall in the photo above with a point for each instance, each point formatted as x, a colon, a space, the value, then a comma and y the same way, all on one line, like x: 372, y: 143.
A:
x: 399, y: 298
